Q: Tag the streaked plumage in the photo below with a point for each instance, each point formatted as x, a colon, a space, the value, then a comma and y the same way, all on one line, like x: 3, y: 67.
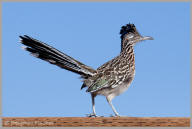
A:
x: 110, y: 79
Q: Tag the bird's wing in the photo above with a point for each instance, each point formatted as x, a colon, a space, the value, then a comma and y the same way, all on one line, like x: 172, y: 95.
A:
x: 102, y: 80
x: 54, y: 56
x: 107, y: 76
x: 97, y: 85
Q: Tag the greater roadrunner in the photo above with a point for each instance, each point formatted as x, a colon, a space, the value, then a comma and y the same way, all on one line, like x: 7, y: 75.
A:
x: 110, y: 79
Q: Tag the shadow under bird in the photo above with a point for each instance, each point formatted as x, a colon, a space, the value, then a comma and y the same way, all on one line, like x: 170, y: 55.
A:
x: 110, y: 80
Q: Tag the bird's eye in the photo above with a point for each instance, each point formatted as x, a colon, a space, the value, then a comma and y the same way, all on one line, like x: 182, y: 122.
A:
x: 129, y: 36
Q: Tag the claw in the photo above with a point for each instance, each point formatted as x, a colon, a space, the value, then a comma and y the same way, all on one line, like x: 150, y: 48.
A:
x: 93, y: 115
x: 115, y: 115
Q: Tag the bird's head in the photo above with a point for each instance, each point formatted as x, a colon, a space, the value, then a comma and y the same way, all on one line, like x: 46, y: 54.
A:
x: 130, y: 33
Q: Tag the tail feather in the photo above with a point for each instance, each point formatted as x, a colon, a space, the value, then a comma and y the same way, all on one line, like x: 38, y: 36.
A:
x: 45, y: 52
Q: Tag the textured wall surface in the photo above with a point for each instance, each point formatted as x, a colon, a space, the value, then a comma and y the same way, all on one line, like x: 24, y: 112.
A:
x: 95, y: 122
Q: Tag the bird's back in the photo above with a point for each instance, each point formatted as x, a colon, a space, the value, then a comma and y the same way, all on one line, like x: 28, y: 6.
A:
x: 114, y: 76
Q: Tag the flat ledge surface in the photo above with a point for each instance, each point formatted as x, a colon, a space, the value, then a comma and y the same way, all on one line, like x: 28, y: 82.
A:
x: 96, y: 122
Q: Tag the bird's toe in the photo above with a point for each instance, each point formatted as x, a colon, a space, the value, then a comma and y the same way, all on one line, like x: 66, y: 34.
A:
x: 115, y: 115
x: 91, y: 115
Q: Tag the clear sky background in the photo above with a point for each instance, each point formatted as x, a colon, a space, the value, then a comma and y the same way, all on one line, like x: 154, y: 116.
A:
x: 89, y: 32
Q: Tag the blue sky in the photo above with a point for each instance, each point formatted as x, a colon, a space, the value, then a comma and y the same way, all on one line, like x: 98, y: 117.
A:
x: 89, y: 32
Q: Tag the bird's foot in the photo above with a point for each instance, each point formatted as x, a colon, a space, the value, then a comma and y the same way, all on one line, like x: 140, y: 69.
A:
x: 116, y: 115
x: 93, y: 115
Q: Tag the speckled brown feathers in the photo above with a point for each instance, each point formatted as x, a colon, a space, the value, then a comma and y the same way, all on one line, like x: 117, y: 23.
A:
x: 111, y: 79
x: 122, y: 67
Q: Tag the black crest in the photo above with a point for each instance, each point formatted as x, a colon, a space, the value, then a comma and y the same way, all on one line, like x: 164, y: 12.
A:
x: 129, y: 28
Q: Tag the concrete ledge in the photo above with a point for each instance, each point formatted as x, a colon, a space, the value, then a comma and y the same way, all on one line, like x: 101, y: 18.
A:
x: 95, y: 122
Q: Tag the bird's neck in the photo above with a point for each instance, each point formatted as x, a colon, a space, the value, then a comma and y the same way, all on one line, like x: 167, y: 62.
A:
x: 127, y: 52
x: 126, y: 46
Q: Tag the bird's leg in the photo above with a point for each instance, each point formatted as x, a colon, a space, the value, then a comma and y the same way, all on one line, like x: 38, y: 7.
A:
x: 93, y: 104
x: 93, y: 107
x: 113, y: 108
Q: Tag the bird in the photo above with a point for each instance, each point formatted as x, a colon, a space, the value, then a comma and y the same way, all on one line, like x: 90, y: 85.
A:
x: 110, y: 79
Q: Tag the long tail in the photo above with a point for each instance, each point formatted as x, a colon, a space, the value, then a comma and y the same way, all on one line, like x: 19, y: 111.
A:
x: 54, y: 56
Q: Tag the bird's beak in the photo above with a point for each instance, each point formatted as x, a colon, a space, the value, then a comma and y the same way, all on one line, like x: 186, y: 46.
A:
x: 147, y: 38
